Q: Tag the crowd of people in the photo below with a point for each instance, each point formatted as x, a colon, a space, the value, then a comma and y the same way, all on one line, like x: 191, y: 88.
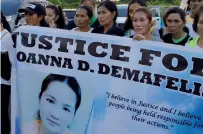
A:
x: 179, y: 29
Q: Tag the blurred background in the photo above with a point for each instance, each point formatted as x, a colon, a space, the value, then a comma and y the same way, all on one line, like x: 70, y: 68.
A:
x: 69, y: 7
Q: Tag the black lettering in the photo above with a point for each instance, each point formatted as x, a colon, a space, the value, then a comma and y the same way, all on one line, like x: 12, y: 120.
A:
x: 24, y: 40
x: 116, y: 52
x: 183, y: 87
x: 171, y: 83
x: 131, y: 74
x: 67, y: 62
x: 44, y: 39
x: 146, y: 56
x: 158, y: 79
x: 83, y: 65
x: 80, y: 47
x: 43, y: 59
x: 63, y: 43
x: 197, y: 66
x: 197, y: 87
x: 168, y: 61
x: 31, y: 57
x: 115, y: 71
x: 103, y: 69
x: 93, y: 49
x: 21, y: 56
x: 56, y: 61
x: 146, y: 76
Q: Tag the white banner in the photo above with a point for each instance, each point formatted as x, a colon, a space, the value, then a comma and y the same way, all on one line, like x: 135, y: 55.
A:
x: 75, y: 83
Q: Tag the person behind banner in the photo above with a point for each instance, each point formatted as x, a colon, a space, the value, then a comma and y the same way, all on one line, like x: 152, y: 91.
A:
x: 174, y: 20
x: 142, y: 22
x: 55, y: 17
x: 94, y: 21
x: 6, y: 44
x: 83, y: 17
x: 107, y: 15
x: 128, y: 26
x: 59, y: 100
x: 198, y: 28
x: 34, y: 15
x: 193, y: 5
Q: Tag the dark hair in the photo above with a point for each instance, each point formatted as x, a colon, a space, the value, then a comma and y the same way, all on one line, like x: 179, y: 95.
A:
x: 43, y: 23
x: 5, y: 23
x: 196, y: 18
x: 88, y: 10
x: 177, y: 10
x: 128, y: 23
x: 60, y: 22
x: 111, y: 6
x: 70, y: 81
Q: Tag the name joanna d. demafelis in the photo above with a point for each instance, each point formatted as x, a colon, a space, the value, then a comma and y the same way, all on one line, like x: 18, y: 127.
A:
x: 117, y: 53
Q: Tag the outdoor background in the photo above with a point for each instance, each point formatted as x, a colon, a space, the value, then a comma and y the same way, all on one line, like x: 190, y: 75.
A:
x: 75, y: 3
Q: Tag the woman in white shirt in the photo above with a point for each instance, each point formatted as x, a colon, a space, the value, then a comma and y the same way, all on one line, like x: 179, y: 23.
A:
x: 6, y: 45
x: 83, y: 18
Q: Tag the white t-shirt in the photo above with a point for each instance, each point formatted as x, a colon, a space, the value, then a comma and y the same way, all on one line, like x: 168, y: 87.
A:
x: 7, y: 46
x: 79, y: 31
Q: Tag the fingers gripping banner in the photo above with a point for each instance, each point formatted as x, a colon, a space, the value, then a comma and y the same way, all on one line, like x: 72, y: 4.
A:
x: 78, y: 83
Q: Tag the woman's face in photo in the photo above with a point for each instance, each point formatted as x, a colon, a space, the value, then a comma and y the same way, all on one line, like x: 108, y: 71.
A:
x: 57, y: 107
x: 141, y: 23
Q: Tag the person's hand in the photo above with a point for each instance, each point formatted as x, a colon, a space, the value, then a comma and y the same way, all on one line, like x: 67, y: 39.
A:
x: 139, y: 37
x: 52, y: 24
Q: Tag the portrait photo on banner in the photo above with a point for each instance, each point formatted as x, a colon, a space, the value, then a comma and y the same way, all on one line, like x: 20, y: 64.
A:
x: 53, y: 103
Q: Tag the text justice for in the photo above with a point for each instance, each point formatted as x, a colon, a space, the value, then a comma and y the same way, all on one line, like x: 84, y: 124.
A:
x: 117, y: 53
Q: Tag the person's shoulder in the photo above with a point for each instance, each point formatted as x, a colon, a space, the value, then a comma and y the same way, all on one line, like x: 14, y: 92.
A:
x: 155, y: 38
x: 4, y: 31
x: 118, y: 31
x: 31, y: 128
x: 6, y: 40
x: 193, y: 42
x: 167, y: 37
x: 5, y: 34
x: 73, y: 29
x: 71, y: 25
x: 98, y: 29
x: 118, y: 28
